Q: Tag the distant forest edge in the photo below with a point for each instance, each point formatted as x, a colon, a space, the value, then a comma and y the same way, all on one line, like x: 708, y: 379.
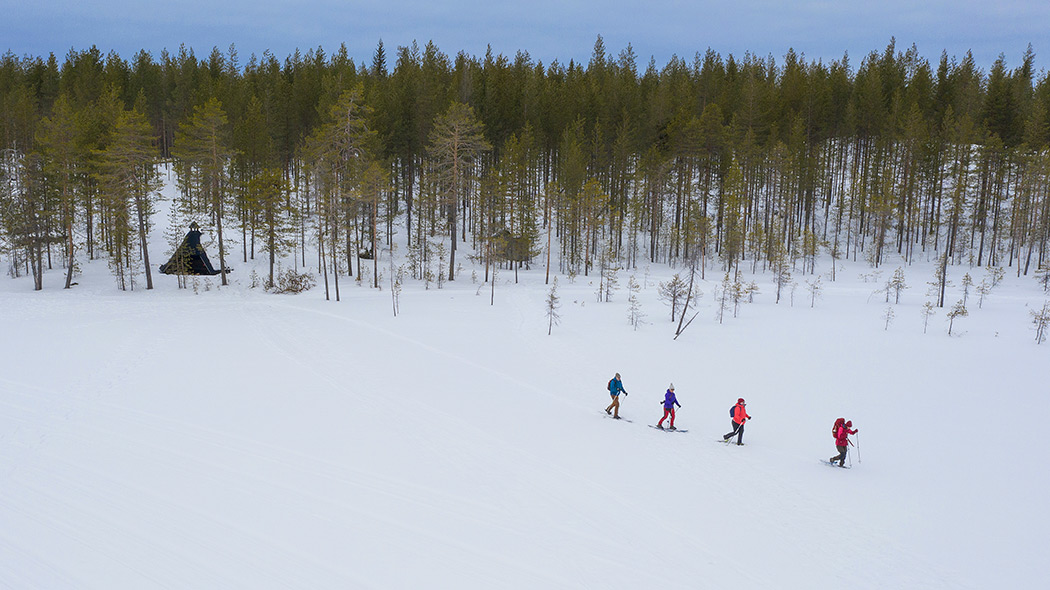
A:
x: 732, y: 162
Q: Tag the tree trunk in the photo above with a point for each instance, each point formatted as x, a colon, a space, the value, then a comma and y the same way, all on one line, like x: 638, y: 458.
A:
x: 140, y: 210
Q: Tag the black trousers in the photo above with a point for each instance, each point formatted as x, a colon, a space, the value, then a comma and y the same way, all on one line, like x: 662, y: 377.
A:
x: 738, y: 429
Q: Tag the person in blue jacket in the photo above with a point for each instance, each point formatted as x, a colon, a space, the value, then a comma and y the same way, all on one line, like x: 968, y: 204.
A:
x: 670, y: 401
x: 615, y: 389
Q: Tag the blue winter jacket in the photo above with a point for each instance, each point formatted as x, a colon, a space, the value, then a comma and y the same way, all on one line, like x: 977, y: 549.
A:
x: 670, y: 401
x: 616, y: 387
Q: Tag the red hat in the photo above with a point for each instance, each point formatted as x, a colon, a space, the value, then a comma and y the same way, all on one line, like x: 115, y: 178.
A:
x: 740, y: 401
x: 849, y: 423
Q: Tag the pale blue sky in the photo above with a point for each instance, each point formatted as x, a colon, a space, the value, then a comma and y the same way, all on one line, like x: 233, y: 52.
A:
x: 547, y: 29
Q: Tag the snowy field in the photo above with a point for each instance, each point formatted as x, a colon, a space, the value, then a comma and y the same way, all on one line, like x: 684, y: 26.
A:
x: 231, y: 438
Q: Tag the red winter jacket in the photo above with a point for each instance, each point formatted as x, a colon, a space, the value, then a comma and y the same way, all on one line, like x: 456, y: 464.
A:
x: 842, y: 436
x: 739, y: 415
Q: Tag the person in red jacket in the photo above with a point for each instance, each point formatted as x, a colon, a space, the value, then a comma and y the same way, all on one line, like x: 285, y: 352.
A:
x: 739, y: 417
x: 842, y: 432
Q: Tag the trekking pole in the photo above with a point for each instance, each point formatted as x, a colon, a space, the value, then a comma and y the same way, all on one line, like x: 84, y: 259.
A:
x: 858, y: 445
x: 849, y: 457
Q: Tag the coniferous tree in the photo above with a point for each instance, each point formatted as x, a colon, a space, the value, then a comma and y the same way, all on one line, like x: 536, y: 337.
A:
x: 896, y: 285
x: 269, y: 192
x: 957, y: 311
x: 635, y: 315
x: 25, y: 212
x: 62, y: 149
x: 130, y: 180
x: 929, y: 159
x: 816, y: 288
x: 553, y: 303
x: 1040, y: 321
x: 202, y: 147
x: 928, y: 311
x: 457, y: 143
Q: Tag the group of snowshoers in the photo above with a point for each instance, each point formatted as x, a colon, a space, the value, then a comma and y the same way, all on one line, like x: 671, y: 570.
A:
x: 841, y: 430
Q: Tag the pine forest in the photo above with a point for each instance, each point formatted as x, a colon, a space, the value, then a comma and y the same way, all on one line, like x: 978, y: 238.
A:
x: 718, y: 163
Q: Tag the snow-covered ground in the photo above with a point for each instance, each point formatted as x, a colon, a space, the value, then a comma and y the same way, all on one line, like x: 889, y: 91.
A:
x: 235, y: 439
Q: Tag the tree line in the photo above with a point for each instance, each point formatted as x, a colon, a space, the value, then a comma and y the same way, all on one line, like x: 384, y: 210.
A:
x: 729, y: 161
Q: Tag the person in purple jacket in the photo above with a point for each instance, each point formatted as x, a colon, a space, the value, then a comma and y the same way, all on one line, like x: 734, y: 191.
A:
x: 670, y: 401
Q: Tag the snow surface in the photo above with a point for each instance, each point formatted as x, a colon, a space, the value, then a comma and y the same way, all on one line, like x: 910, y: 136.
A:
x: 231, y: 438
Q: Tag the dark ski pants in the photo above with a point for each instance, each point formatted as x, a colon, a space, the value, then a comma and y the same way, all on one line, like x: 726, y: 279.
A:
x: 841, y: 457
x: 667, y: 412
x: 615, y: 405
x: 738, y: 429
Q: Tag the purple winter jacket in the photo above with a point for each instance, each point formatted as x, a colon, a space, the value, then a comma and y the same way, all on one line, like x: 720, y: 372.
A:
x: 670, y: 401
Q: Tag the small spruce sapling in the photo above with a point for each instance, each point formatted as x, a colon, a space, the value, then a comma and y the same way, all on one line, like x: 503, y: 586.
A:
x: 634, y: 306
x: 815, y: 289
x: 397, y: 281
x: 442, y: 252
x: 751, y: 290
x: 781, y: 269
x: 888, y: 315
x: 553, y: 303
x: 958, y: 310
x: 982, y: 291
x: 967, y: 282
x: 996, y: 274
x: 724, y: 297
x: 1043, y: 276
x: 896, y: 285
x: 1040, y: 320
x: 611, y: 281
x: 739, y: 291
x: 928, y: 311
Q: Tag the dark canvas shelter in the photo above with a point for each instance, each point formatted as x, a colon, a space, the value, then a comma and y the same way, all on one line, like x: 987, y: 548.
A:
x: 189, y: 258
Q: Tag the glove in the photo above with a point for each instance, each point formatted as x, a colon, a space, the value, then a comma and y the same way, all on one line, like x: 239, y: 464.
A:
x: 625, y: 393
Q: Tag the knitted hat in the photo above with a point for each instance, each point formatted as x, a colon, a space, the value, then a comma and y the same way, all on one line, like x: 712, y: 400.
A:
x: 671, y: 387
x: 740, y: 401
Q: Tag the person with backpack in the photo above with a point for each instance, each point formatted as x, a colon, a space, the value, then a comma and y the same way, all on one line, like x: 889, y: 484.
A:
x: 739, y: 416
x: 615, y: 389
x: 842, y: 430
x: 670, y: 401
